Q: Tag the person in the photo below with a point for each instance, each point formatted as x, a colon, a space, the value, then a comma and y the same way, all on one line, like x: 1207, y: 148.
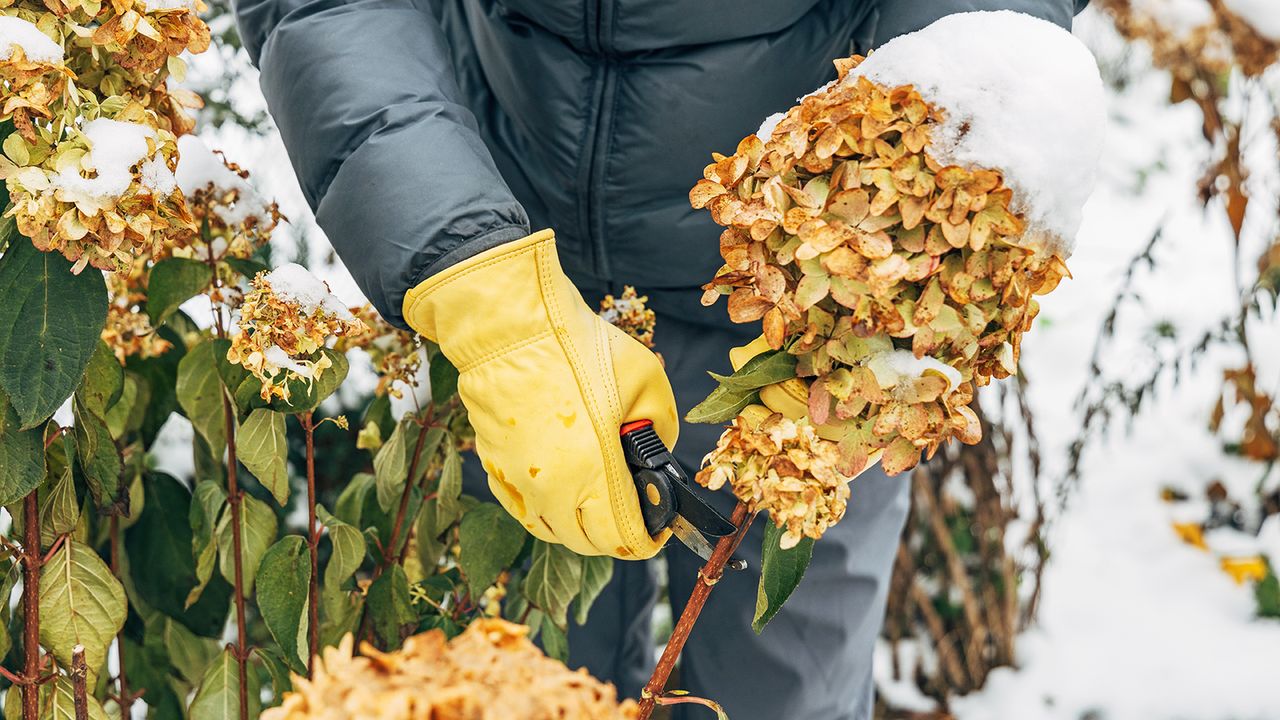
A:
x: 481, y: 166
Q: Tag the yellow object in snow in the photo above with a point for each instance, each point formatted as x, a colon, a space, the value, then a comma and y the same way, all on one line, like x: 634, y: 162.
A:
x: 1191, y: 534
x: 1242, y: 569
x: 547, y: 384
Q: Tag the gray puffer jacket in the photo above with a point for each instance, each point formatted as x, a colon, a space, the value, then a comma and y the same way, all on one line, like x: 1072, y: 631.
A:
x: 425, y: 131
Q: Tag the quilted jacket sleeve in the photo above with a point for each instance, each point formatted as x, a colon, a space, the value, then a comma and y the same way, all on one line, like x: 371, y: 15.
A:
x: 898, y: 17
x: 387, y: 155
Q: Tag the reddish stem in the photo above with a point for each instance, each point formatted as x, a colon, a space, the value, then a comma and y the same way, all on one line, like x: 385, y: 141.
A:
x: 313, y: 547
x: 708, y: 576
x: 124, y: 698
x: 80, y: 683
x: 32, y: 560
x: 234, y: 496
x: 393, y: 551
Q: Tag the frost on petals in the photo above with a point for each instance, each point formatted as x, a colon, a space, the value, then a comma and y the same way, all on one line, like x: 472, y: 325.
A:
x: 287, y: 316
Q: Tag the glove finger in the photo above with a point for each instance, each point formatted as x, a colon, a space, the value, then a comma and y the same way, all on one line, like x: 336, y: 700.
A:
x: 643, y: 387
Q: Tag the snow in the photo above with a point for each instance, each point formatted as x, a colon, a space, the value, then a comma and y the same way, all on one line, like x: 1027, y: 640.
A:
x: 278, y: 357
x: 293, y: 283
x: 199, y: 168
x: 160, y: 5
x: 157, y: 176
x: 894, y: 367
x: 1263, y: 15
x: 1021, y: 95
x: 114, y: 148
x: 38, y: 47
x: 1179, y: 17
x: 766, y: 128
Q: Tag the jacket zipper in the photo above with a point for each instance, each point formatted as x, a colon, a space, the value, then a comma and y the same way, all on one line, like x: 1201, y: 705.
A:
x: 591, y: 218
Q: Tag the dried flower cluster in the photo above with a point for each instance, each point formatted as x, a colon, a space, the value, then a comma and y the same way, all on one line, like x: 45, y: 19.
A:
x: 899, y: 284
x: 630, y: 313
x: 781, y: 466
x: 1201, y: 51
x: 128, y: 331
x: 90, y: 164
x: 287, y: 317
x: 395, y: 353
x: 489, y: 672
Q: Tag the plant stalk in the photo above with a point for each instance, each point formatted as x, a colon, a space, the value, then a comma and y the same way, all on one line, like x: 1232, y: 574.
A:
x: 124, y: 698
x: 234, y: 496
x: 313, y: 547
x: 32, y: 559
x: 80, y: 683
x: 393, y: 553
x: 708, y: 576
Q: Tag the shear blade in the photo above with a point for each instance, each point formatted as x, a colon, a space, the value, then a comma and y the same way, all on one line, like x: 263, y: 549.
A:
x: 691, y: 537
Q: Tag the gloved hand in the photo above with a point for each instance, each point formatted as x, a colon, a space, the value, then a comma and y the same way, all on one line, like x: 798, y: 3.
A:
x: 547, y: 384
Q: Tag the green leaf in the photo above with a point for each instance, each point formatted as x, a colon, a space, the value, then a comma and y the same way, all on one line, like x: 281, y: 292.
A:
x: 103, y: 381
x: 764, y: 369
x: 161, y: 375
x: 554, y: 640
x: 99, y: 459
x: 258, y: 523
x: 22, y: 461
x: 351, y: 501
x: 207, y: 506
x: 444, y: 379
x: 232, y: 374
x: 50, y: 321
x: 263, y: 448
x: 128, y: 413
x: 283, y: 579
x: 59, y: 510
x: 391, y: 465
x: 219, y: 695
x: 554, y: 578
x: 596, y: 573
x: 431, y: 547
x: 489, y: 540
x: 247, y: 267
x: 391, y: 608
x: 57, y: 702
x: 348, y: 550
x: 188, y: 653
x: 172, y: 282
x: 340, y: 613
x: 780, y: 573
x: 161, y: 542
x: 449, y: 491
x: 200, y: 395
x: 81, y: 602
x: 281, y: 683
x: 723, y: 404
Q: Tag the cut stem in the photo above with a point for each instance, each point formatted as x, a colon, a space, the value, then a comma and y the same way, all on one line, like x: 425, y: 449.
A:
x: 80, y: 682
x: 234, y: 496
x: 313, y: 547
x: 32, y: 559
x: 708, y: 576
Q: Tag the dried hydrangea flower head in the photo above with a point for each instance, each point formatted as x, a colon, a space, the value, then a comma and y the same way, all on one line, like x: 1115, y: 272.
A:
x: 489, y: 672
x: 128, y: 331
x: 31, y: 65
x: 629, y: 312
x: 101, y: 197
x: 396, y: 354
x: 783, y: 467
x: 1198, y: 39
x: 287, y: 316
x: 146, y: 40
x: 232, y: 219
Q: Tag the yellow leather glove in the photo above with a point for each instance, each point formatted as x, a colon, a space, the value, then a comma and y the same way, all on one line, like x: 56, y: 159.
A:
x: 547, y: 384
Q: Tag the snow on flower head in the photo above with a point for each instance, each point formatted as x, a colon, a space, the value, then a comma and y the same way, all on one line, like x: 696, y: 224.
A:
x: 1020, y: 95
x: 234, y: 219
x: 286, y: 319
x: 16, y: 33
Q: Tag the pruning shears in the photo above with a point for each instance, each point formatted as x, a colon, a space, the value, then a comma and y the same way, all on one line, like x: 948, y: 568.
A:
x: 666, y: 499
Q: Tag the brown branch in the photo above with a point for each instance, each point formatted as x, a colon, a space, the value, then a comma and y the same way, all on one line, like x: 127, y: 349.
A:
x: 32, y: 561
x: 123, y: 697
x: 708, y: 576
x: 313, y: 547
x: 393, y: 552
x: 234, y: 496
x: 80, y: 682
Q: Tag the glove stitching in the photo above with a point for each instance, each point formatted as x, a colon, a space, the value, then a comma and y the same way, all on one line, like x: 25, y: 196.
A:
x: 494, y: 355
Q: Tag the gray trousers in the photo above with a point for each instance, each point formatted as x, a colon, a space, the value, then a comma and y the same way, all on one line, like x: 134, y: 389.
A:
x: 813, y: 661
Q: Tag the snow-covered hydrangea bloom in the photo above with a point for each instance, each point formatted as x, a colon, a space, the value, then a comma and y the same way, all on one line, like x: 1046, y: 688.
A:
x: 286, y: 318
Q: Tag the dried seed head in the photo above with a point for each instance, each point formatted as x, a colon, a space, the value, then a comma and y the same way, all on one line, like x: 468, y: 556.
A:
x: 491, y: 670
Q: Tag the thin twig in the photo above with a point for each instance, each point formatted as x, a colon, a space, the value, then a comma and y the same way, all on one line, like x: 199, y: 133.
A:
x: 80, y: 682
x: 313, y: 546
x: 32, y: 561
x: 234, y: 497
x: 708, y: 576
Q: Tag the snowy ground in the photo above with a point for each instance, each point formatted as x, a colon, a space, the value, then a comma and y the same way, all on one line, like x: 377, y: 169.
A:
x: 1135, y: 625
